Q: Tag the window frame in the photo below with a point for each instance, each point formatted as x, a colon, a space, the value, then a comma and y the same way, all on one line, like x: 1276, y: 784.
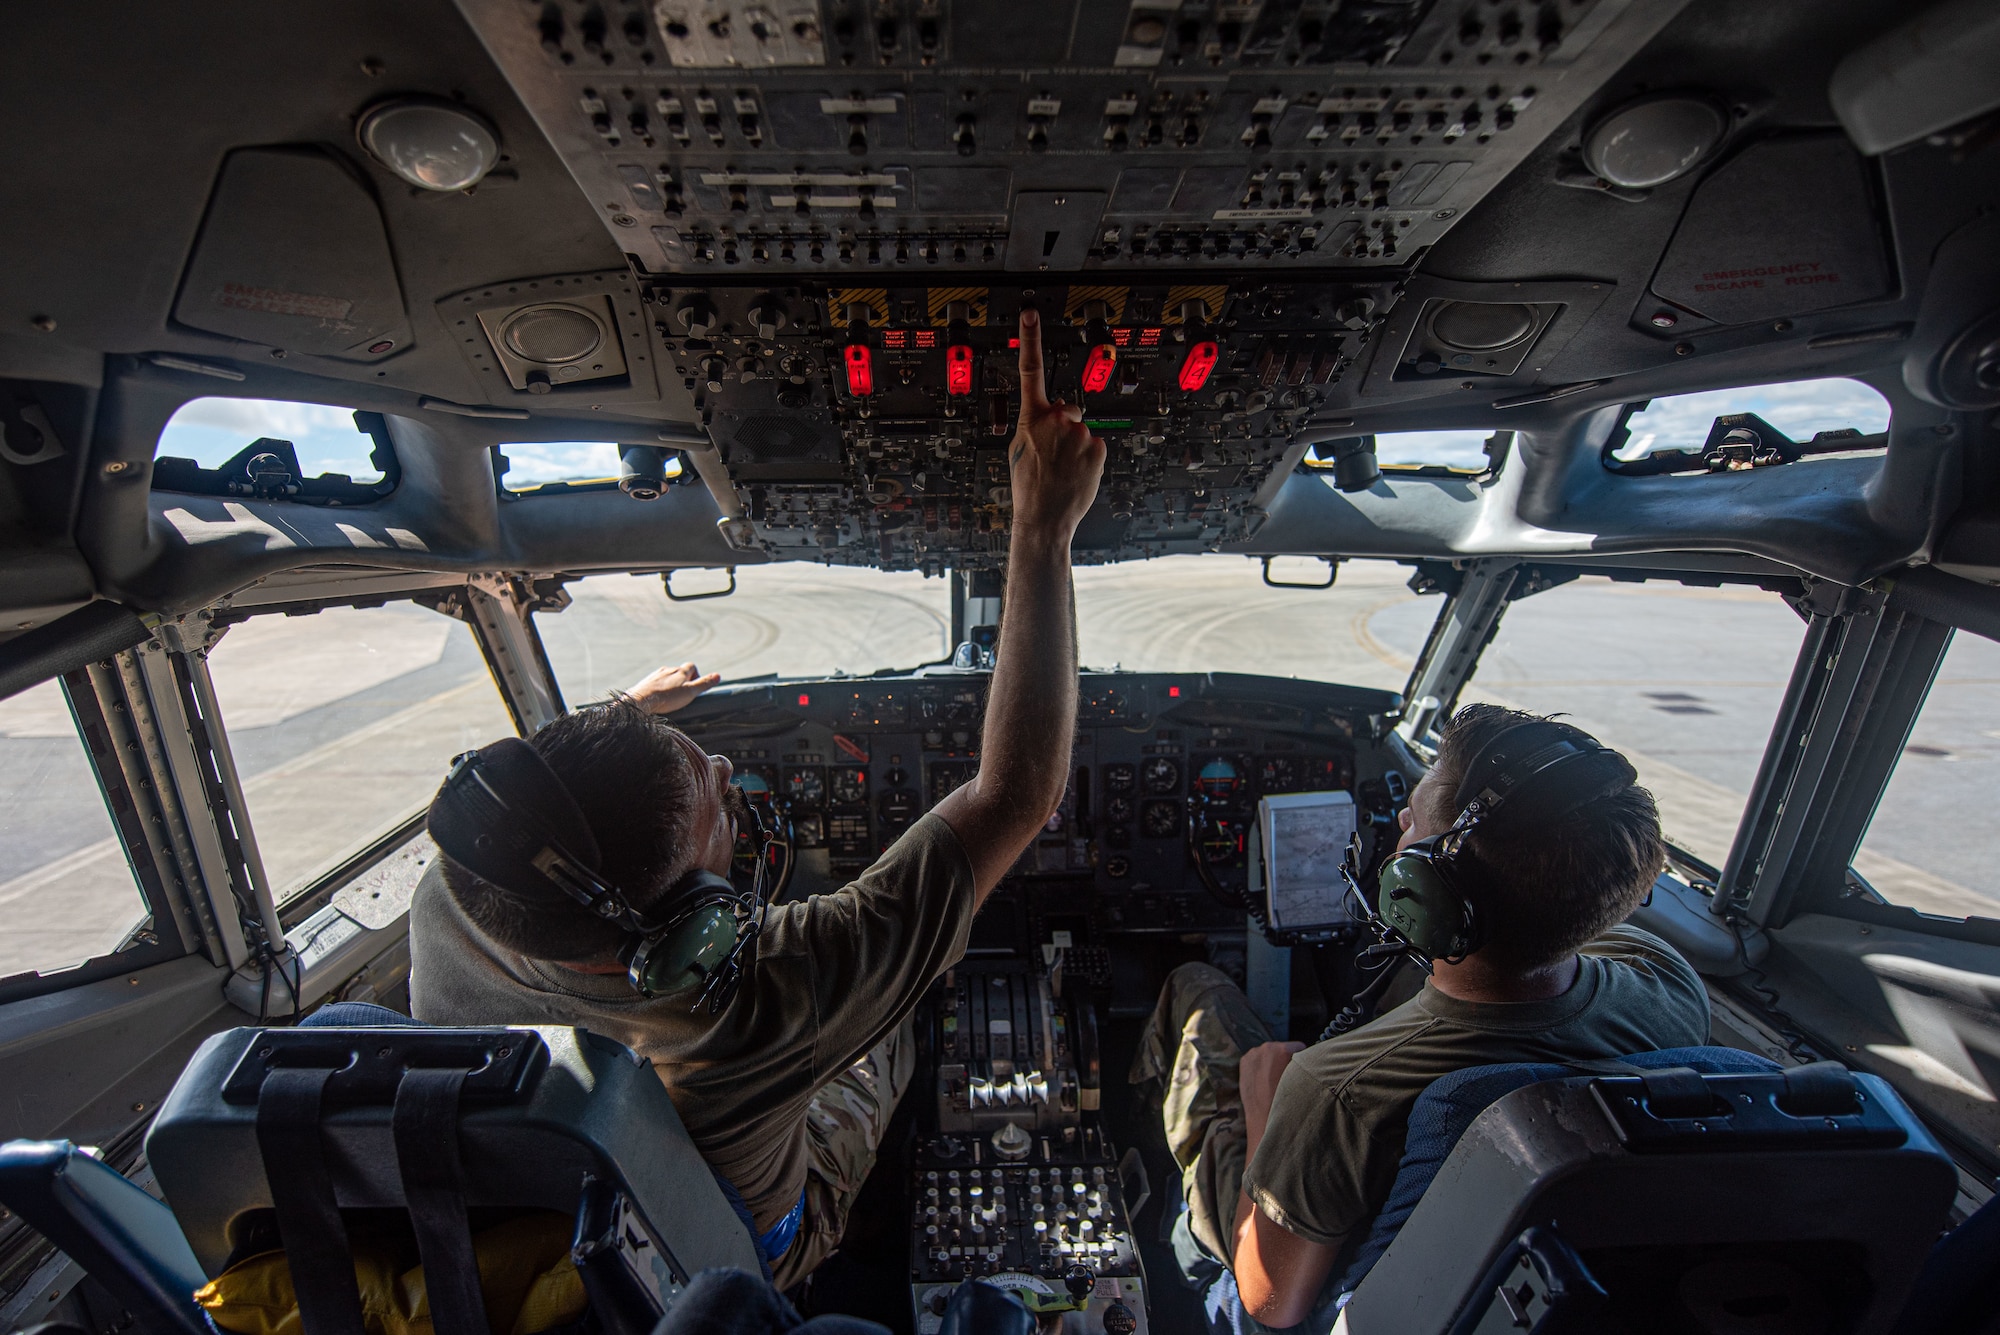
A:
x: 1660, y: 463
x: 676, y: 459
x: 220, y: 481
x: 1499, y: 450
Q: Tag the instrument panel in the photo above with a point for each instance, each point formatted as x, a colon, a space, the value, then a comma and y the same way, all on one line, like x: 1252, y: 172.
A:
x: 1164, y: 769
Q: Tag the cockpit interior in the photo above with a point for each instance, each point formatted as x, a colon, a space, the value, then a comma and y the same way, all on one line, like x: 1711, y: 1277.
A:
x: 382, y: 378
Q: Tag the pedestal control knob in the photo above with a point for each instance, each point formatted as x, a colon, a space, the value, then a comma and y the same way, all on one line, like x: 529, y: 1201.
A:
x: 1012, y: 1143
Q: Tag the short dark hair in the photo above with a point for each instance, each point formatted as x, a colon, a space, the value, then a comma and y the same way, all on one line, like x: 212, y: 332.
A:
x: 1542, y: 892
x: 637, y: 787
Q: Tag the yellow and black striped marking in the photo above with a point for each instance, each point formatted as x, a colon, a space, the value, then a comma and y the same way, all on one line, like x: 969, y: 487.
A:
x: 1114, y: 297
x: 941, y: 297
x: 875, y: 298
x: 1213, y: 296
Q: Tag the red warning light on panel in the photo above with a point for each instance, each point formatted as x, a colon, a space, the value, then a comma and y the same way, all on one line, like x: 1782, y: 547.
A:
x: 1200, y: 360
x: 1097, y: 368
x: 804, y: 701
x: 927, y: 338
x: 958, y: 369
x: 860, y: 370
x: 1174, y: 692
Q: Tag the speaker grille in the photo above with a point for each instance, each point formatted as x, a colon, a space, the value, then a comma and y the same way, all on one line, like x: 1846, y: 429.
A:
x: 777, y: 436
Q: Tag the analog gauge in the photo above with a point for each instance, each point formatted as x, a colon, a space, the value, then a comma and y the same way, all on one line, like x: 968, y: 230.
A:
x: 1118, y: 778
x: 1160, y: 820
x: 1118, y: 836
x: 1221, y: 841
x: 805, y: 787
x: 1118, y: 809
x: 850, y: 784
x: 1117, y: 868
x: 1218, y: 777
x: 1160, y: 775
x: 1280, y: 775
x: 1330, y: 774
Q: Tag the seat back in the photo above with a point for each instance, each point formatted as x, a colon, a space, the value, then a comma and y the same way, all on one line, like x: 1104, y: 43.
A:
x: 303, y: 1125
x: 124, y: 1238
x: 1449, y: 1103
x: 1807, y: 1191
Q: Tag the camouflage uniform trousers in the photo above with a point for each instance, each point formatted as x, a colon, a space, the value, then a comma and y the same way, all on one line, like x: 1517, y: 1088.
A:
x: 1188, y: 1057
x: 845, y: 1123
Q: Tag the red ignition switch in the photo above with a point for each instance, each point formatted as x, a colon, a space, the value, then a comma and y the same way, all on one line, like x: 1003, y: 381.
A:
x: 1097, y: 368
x: 1200, y: 360
x: 958, y: 369
x: 860, y: 369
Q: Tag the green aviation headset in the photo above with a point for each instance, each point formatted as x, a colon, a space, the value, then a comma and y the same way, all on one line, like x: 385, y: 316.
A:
x: 505, y: 816
x: 1427, y: 900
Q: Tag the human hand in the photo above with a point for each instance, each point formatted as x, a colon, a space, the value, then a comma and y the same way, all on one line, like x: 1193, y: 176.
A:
x: 1054, y: 460
x: 669, y: 688
x: 1257, y: 1077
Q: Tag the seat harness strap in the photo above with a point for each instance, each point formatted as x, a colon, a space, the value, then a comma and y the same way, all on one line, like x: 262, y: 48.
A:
x: 425, y: 1122
x: 309, y: 1225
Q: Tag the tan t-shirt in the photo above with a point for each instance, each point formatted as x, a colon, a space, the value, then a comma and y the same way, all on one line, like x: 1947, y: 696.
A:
x: 1329, y: 1158
x: 835, y: 974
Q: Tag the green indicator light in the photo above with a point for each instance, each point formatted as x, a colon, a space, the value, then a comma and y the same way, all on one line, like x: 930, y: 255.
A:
x: 1108, y: 423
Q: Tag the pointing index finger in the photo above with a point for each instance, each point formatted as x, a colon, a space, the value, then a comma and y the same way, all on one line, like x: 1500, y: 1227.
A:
x: 1034, y: 393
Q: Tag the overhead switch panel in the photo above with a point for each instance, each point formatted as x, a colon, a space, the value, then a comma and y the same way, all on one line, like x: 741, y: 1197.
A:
x: 972, y: 135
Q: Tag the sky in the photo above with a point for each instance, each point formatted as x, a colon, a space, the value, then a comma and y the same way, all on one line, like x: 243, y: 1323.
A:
x: 210, y: 431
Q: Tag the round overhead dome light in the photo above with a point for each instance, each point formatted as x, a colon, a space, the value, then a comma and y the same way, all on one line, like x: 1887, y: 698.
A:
x: 1652, y: 141
x: 553, y: 334
x: 431, y: 143
x: 1482, y: 326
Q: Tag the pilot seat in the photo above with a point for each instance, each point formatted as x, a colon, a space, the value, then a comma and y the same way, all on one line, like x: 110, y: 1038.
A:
x: 1656, y: 1198
x: 365, y: 1140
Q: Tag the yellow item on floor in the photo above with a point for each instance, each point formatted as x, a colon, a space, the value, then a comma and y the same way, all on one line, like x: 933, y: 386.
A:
x: 525, y: 1271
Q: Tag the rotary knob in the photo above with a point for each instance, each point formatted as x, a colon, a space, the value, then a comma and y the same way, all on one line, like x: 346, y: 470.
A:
x: 696, y: 316
x: 767, y: 317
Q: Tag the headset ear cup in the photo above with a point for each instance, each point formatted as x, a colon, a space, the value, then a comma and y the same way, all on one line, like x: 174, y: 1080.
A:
x: 1415, y: 896
x: 684, y: 957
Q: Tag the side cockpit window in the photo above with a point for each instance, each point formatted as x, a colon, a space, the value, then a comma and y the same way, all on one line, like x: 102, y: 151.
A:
x: 274, y: 450
x: 67, y: 892
x: 1929, y: 845
x: 1756, y: 426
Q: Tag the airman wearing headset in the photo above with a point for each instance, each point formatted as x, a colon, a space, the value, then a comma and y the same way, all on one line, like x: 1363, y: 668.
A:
x: 1521, y: 849
x: 586, y: 882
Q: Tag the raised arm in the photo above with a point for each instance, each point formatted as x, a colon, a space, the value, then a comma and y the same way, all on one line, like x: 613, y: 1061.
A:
x: 1024, y: 751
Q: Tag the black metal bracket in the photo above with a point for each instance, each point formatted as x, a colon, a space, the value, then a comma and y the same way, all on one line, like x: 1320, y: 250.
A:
x: 1332, y: 573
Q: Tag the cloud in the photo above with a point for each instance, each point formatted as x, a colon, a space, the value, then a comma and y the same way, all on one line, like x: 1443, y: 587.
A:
x: 212, y: 431
x: 532, y: 463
